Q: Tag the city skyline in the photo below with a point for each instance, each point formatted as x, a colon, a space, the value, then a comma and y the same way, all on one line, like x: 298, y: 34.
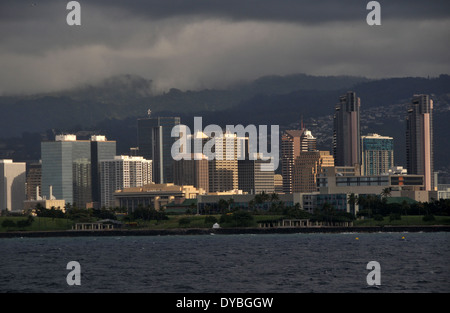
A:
x: 208, y: 46
x: 85, y: 160
x: 224, y: 146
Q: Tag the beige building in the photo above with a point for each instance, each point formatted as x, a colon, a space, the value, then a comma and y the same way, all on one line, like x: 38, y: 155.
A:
x: 419, y: 139
x: 293, y: 142
x: 154, y: 195
x: 278, y: 183
x: 48, y: 204
x: 341, y: 180
x: 307, y: 167
x: 12, y: 185
x: 223, y: 167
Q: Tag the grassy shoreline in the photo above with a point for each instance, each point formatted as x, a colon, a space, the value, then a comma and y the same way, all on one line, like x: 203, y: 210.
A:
x: 226, y: 231
x: 41, y: 224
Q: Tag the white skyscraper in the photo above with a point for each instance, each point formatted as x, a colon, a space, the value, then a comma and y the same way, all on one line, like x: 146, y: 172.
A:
x: 122, y: 172
x: 12, y: 185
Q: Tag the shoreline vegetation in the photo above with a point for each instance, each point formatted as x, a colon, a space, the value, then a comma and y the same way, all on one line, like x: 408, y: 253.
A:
x: 377, y: 214
x: 202, y: 225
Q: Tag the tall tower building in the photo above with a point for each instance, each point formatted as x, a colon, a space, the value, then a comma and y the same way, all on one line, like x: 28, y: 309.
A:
x: 377, y: 154
x: 155, y: 143
x: 346, y: 134
x: 101, y: 149
x: 308, y: 141
x: 122, y: 172
x: 293, y: 142
x: 307, y: 167
x: 254, y: 178
x: 193, y: 171
x: 34, y: 177
x: 290, y: 150
x: 12, y: 185
x: 419, y: 139
x: 70, y: 167
x: 223, y: 168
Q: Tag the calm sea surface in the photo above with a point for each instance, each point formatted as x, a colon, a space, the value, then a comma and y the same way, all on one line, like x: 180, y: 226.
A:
x: 278, y: 263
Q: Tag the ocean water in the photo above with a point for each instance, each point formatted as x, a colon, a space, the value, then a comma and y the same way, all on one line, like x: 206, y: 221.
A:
x: 275, y: 263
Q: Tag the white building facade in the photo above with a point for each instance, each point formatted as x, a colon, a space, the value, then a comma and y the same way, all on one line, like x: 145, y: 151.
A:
x: 122, y: 172
x: 12, y: 185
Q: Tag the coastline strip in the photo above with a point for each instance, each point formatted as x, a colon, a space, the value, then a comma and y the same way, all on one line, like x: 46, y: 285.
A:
x: 224, y: 231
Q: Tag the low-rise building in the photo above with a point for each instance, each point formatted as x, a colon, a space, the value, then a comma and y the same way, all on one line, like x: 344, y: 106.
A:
x: 48, y: 204
x: 154, y: 195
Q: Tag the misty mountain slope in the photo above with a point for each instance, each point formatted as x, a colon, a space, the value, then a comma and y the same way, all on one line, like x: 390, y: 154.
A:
x: 125, y: 96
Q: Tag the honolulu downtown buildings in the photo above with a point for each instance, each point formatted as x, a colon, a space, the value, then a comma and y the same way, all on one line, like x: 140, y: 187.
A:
x: 88, y: 173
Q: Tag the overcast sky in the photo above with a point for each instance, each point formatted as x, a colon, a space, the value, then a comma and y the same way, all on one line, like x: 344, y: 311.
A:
x: 191, y: 44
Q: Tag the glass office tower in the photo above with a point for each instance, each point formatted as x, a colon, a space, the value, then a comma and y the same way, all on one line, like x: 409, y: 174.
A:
x: 155, y: 143
x: 70, y: 168
x: 377, y: 154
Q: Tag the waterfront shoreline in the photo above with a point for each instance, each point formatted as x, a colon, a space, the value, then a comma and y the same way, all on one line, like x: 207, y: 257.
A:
x: 224, y: 231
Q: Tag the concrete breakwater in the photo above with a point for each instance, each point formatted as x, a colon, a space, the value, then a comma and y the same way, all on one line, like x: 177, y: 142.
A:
x: 224, y: 231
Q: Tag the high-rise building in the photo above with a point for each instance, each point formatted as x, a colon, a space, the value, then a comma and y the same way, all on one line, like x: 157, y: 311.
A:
x: 192, y: 171
x: 308, y: 141
x: 34, y: 178
x: 290, y: 150
x: 377, y: 154
x: 419, y: 139
x: 70, y: 167
x: 308, y: 165
x: 120, y: 173
x: 155, y: 143
x: 293, y: 142
x: 346, y: 134
x: 256, y: 176
x: 223, y: 168
x: 101, y: 149
x: 12, y: 185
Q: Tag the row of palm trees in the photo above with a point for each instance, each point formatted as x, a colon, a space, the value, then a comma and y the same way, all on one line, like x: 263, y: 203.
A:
x: 257, y: 201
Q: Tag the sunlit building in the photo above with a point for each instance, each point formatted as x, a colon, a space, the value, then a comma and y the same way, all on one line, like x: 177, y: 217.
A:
x: 122, y: 172
x: 12, y: 185
x: 419, y: 139
x: 70, y: 168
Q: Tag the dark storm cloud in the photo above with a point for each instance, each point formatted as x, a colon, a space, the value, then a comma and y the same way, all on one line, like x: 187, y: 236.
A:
x: 212, y: 43
x: 301, y: 11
